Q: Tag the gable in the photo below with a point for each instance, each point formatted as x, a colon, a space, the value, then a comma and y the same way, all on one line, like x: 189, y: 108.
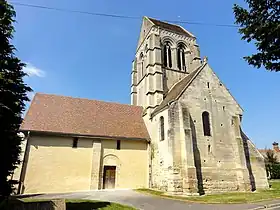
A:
x: 145, y: 29
x: 207, y: 86
x: 148, y: 23
x: 194, y: 81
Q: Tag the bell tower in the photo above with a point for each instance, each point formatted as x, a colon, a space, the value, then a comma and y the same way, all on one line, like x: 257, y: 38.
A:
x: 165, y: 54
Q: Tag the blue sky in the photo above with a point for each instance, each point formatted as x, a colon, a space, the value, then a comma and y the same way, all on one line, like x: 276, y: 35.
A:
x: 88, y: 56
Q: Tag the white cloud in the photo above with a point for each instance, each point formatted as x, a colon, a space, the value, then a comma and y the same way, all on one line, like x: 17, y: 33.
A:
x: 33, y: 71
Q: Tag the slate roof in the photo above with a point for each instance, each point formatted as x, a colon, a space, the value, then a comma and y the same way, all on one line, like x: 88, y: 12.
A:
x: 67, y: 115
x: 175, y: 92
x: 170, y: 27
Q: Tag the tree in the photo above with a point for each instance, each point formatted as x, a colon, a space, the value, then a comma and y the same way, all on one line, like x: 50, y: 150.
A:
x: 270, y: 157
x: 271, y: 163
x: 261, y: 24
x: 13, y: 95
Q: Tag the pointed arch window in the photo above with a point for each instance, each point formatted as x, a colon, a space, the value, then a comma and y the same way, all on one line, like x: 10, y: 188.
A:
x: 206, y: 124
x: 161, y: 119
x: 181, y: 63
x: 167, y: 57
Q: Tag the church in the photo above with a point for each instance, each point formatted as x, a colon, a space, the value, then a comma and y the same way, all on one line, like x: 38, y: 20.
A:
x: 181, y: 134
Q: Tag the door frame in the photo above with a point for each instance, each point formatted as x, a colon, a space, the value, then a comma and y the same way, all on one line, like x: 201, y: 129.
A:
x: 105, y: 168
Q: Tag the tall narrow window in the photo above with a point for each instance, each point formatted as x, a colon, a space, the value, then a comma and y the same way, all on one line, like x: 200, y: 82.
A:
x: 179, y: 59
x: 181, y: 64
x: 183, y: 61
x: 118, y: 144
x: 164, y: 56
x: 206, y: 124
x: 161, y: 119
x: 167, y: 57
x: 75, y: 142
x: 142, y: 64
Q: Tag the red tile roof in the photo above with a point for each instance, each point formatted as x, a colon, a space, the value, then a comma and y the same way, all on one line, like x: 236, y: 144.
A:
x: 67, y: 115
x: 265, y: 150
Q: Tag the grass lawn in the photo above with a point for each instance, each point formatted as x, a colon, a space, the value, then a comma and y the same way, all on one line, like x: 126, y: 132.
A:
x: 81, y: 205
x: 234, y: 197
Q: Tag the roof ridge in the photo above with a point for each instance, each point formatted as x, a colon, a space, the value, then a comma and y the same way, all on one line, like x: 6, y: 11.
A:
x: 72, y: 97
x: 163, y: 21
x: 178, y: 88
x: 183, y: 78
x: 186, y: 31
x: 199, y: 69
x: 170, y: 26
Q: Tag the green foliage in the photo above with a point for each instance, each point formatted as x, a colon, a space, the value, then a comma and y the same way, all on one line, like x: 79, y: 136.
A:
x: 13, y: 95
x: 272, y: 165
x: 275, y: 171
x: 270, y: 157
x: 260, y: 23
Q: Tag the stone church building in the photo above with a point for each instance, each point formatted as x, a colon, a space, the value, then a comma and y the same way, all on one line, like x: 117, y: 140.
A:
x: 181, y: 134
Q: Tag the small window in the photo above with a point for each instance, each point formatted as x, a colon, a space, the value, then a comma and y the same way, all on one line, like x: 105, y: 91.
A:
x: 206, y: 124
x: 75, y: 142
x: 161, y: 128
x: 118, y: 144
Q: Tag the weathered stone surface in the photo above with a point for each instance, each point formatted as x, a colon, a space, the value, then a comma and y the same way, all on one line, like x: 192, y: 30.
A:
x: 187, y: 161
x: 96, y: 164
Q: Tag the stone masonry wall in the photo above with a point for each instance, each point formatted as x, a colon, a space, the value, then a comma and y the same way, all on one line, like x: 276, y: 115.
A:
x: 161, y: 151
x: 257, y: 165
x: 223, y: 162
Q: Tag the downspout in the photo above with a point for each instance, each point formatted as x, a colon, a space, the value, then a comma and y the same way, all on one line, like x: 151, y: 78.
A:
x: 23, y: 168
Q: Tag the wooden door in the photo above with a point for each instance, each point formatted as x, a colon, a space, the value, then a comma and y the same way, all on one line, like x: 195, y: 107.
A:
x: 109, y: 177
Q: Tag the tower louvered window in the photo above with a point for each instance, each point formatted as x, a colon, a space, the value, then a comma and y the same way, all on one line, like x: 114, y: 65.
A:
x: 181, y: 63
x: 167, y: 56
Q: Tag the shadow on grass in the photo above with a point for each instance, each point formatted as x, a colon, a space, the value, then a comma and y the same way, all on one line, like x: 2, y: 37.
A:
x: 17, y: 204
x: 87, y: 205
x: 26, y: 196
